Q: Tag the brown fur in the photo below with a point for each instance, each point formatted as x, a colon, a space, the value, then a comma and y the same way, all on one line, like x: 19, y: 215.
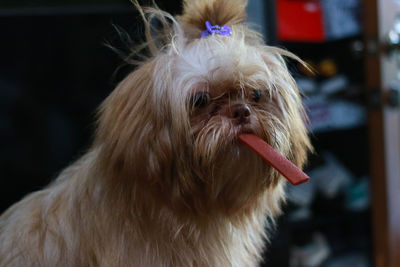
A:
x: 166, y: 183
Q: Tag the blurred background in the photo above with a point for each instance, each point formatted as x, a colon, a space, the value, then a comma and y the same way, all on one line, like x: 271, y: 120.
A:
x: 55, y: 69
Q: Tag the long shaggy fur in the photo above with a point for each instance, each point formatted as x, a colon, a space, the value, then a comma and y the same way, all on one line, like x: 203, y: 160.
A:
x: 165, y: 182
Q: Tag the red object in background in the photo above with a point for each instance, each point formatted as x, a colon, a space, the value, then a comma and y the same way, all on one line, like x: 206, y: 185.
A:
x: 300, y: 20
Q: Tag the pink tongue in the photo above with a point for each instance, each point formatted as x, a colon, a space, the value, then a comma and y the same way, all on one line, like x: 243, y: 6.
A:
x: 294, y: 175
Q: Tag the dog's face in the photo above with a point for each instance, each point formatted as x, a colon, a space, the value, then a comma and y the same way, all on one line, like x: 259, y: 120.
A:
x: 239, y: 89
x: 174, y: 123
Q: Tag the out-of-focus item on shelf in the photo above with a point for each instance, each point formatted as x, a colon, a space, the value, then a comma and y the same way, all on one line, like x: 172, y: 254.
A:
x: 312, y: 254
x: 327, y: 113
x: 334, y: 85
x: 307, y: 86
x: 332, y: 177
x: 333, y: 114
x: 329, y: 179
x: 327, y: 67
x: 358, y: 196
x: 318, y: 20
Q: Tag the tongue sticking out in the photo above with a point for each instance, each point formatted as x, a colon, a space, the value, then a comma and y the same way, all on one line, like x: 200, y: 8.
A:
x: 290, y: 171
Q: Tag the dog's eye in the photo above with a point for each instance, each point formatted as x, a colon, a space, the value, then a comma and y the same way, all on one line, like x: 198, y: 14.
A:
x: 256, y: 95
x: 201, y: 99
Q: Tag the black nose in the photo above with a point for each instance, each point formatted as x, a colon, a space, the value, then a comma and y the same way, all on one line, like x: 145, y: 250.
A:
x: 241, y: 113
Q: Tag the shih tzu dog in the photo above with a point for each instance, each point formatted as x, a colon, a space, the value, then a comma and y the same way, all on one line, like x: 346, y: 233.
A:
x: 167, y: 182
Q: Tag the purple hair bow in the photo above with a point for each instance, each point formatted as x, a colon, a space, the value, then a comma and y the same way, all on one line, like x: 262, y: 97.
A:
x: 216, y: 29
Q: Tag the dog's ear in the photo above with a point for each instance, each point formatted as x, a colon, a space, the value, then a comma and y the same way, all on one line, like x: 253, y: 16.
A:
x: 217, y: 12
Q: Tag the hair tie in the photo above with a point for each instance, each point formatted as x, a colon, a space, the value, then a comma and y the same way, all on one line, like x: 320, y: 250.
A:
x: 216, y: 29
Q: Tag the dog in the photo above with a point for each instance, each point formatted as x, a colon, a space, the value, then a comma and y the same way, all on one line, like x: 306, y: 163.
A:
x: 165, y: 181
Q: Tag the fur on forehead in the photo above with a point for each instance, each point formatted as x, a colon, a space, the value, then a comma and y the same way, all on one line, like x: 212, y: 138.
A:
x: 229, y: 62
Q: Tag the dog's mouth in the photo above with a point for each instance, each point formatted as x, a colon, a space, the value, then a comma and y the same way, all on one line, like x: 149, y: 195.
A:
x: 285, y: 167
x: 243, y: 129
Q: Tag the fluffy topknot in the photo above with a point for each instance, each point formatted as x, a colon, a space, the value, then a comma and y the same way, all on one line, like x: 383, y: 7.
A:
x: 220, y: 12
x: 163, y: 31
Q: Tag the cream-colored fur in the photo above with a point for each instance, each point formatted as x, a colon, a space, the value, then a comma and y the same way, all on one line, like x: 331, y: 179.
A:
x: 165, y: 182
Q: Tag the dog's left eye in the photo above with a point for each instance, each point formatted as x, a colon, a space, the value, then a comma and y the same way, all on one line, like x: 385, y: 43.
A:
x: 256, y: 95
x: 201, y: 99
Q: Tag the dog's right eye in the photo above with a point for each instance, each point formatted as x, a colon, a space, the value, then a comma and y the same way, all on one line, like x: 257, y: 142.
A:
x: 256, y: 95
x: 201, y: 100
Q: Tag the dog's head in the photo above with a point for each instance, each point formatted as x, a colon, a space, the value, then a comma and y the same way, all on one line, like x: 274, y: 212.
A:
x: 173, y: 123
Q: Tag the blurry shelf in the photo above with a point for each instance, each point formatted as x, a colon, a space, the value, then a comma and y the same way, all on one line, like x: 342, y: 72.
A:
x: 321, y: 43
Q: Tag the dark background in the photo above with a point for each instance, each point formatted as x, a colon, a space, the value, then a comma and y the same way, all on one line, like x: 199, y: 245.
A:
x: 55, y: 69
